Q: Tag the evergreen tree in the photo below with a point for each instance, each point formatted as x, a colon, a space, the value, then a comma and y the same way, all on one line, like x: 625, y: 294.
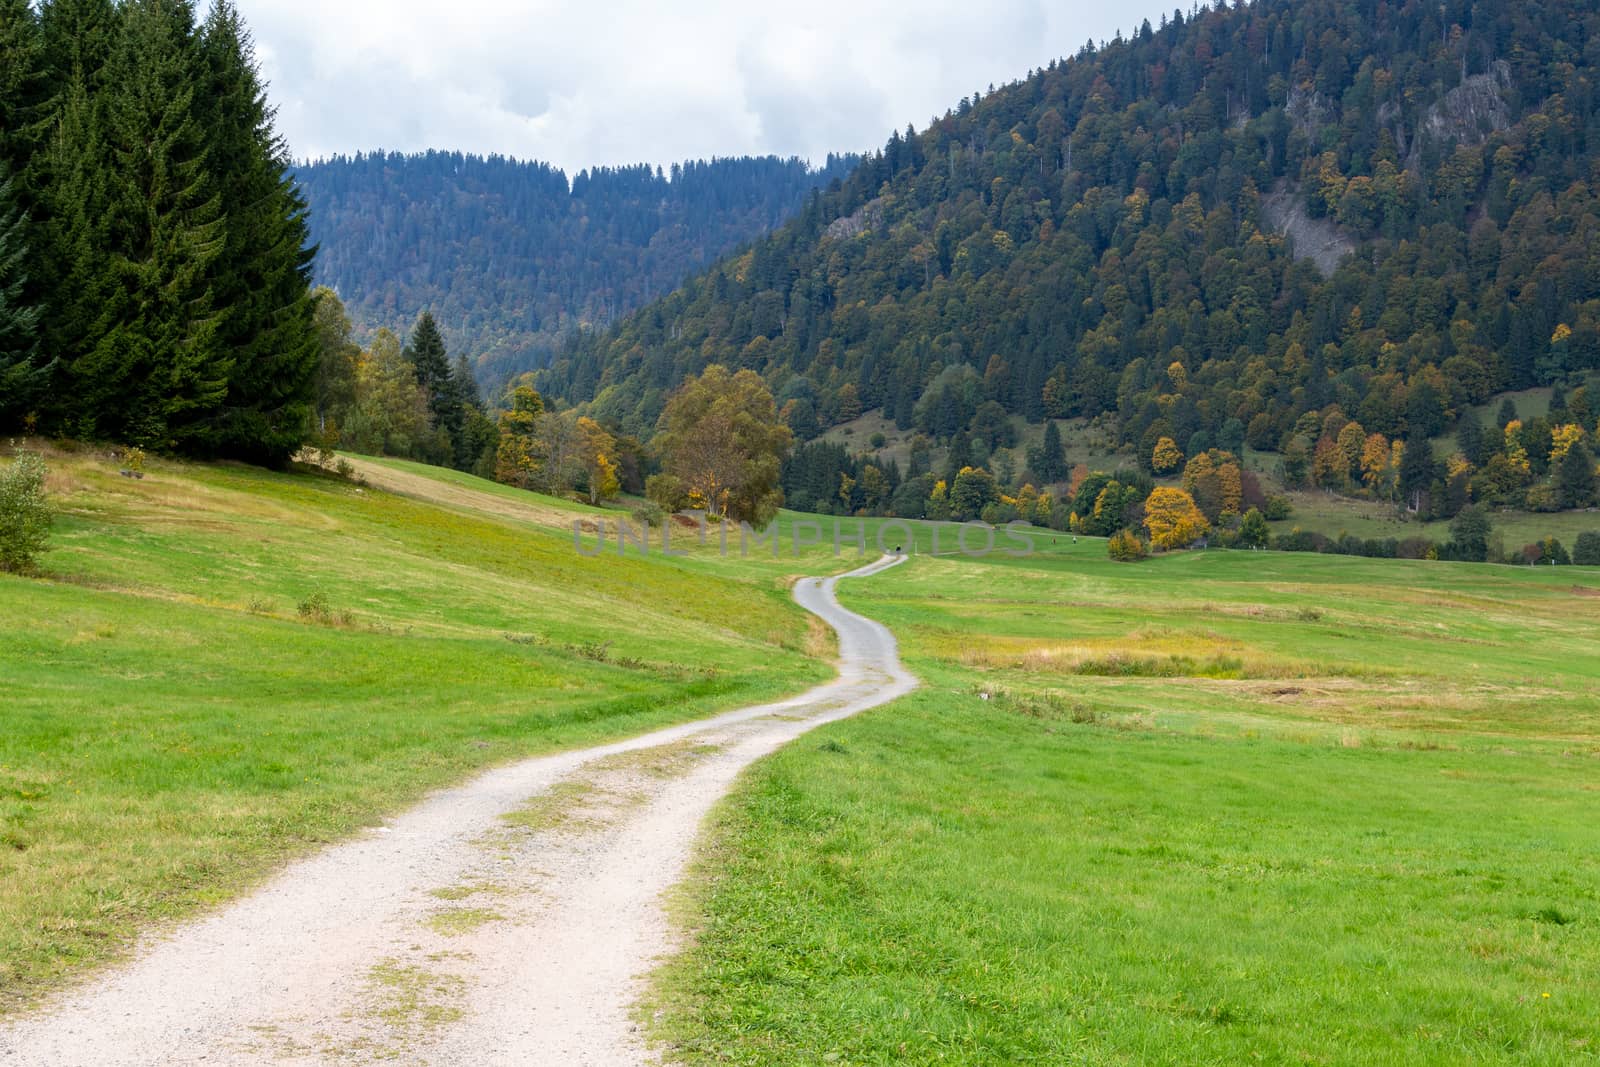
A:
x: 427, y: 354
x: 1470, y: 439
x: 466, y: 382
x: 24, y: 87
x: 1049, y: 461
x: 72, y: 262
x: 77, y: 35
x: 260, y: 282
x: 156, y: 373
x: 1416, y: 471
x: 21, y: 374
x: 1575, y: 477
x: 1507, y: 414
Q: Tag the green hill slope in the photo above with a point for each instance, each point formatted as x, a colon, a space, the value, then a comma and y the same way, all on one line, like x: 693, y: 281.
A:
x: 225, y: 666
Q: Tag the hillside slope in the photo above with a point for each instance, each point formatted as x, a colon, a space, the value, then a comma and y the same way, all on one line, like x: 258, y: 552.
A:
x: 223, y: 666
x: 508, y: 257
x: 1113, y: 235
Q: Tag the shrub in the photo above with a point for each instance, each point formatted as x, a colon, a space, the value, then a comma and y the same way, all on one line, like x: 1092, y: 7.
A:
x: 1125, y: 547
x: 877, y: 440
x: 1586, y: 550
x: 25, y: 513
x: 649, y: 514
x: 315, y: 608
x: 1278, y: 508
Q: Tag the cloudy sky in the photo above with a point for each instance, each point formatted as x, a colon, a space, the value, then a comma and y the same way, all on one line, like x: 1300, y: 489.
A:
x: 627, y: 81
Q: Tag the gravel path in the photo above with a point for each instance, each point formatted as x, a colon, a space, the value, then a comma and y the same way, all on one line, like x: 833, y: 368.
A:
x: 511, y: 920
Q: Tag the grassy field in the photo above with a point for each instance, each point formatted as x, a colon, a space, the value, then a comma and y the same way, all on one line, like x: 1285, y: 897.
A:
x: 1219, y: 808
x: 223, y: 667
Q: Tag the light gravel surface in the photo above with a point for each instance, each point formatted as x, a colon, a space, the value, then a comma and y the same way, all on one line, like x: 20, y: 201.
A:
x: 511, y: 920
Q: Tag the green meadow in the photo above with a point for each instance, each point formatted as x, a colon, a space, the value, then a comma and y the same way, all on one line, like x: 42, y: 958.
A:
x: 223, y: 667
x: 1216, y: 808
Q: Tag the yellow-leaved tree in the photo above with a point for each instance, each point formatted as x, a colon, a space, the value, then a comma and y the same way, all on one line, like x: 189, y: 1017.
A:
x: 1165, y: 457
x: 1173, y: 518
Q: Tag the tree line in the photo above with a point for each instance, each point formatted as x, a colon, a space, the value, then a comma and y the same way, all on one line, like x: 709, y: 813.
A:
x: 154, y: 260
x: 1105, y: 239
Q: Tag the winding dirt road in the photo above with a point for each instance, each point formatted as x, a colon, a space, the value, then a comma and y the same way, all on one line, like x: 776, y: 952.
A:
x: 511, y: 920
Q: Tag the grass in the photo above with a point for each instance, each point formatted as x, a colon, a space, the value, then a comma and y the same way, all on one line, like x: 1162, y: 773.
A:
x: 1334, y: 515
x: 1218, y: 808
x: 224, y: 667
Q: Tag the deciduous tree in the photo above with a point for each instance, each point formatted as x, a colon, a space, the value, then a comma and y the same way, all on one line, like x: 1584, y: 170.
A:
x: 721, y: 438
x: 1173, y: 519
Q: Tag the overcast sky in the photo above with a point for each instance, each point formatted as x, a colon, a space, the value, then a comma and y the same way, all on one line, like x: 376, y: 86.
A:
x: 628, y: 81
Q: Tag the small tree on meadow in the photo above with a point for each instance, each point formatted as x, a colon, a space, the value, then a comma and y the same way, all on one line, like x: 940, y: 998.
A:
x: 25, y: 512
x: 1469, y: 534
x: 1586, y: 550
x: 1253, y: 530
x: 1173, y: 518
x: 1124, y: 546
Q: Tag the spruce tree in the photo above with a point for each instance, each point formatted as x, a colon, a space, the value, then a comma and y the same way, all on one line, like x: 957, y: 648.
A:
x: 21, y: 372
x: 466, y: 382
x: 157, y: 372
x: 1575, y: 477
x: 24, y: 88
x: 72, y: 262
x: 260, y: 283
x: 1416, y: 471
x: 427, y: 353
x: 77, y: 35
x: 1049, y: 461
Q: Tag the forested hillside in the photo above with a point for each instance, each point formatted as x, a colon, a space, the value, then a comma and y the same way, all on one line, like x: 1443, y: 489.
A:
x: 1312, y: 227
x: 154, y: 272
x: 508, y: 257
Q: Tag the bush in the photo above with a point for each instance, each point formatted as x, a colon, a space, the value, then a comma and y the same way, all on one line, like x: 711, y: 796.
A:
x: 25, y: 512
x: 315, y: 608
x: 1125, y: 547
x: 1278, y: 508
x: 877, y: 440
x: 649, y: 514
x: 1586, y: 550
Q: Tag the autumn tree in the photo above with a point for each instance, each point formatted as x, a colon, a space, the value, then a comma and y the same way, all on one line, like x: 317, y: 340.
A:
x: 1166, y: 457
x: 1124, y: 546
x: 597, y: 453
x: 515, y: 459
x: 720, y: 439
x: 1173, y: 519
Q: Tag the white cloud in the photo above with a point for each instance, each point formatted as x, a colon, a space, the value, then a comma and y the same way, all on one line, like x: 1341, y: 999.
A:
x: 627, y: 81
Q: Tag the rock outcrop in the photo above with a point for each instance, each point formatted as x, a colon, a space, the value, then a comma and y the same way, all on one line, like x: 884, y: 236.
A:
x: 1319, y: 240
